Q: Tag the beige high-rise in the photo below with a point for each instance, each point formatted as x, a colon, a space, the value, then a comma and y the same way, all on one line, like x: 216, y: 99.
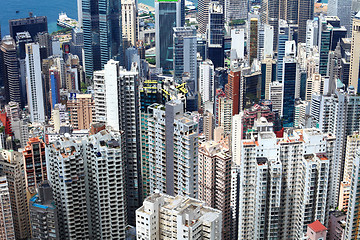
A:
x: 355, y: 53
x: 129, y: 20
x: 81, y: 110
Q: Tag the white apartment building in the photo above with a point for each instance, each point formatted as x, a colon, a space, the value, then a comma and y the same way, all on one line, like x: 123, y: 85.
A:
x: 277, y: 179
x: 88, y: 179
x: 7, y: 231
x: 117, y: 103
x: 129, y: 20
x: 173, y: 149
x: 167, y: 217
x: 34, y: 84
x: 206, y: 81
x: 352, y: 145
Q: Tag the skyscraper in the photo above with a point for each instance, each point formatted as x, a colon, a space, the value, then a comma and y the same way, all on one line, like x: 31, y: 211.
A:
x: 35, y: 164
x: 215, y: 34
x: 117, y: 103
x: 43, y: 214
x: 253, y: 39
x: 282, y: 38
x: 342, y: 9
x: 102, y: 27
x: 168, y: 14
x: 305, y: 12
x: 206, y: 81
x: 88, y: 179
x: 235, y: 9
x: 273, y: 183
x: 7, y: 231
x: 188, y: 218
x: 289, y: 83
x: 31, y: 24
x: 185, y: 49
x: 12, y: 165
x: 81, y: 109
x: 355, y: 54
x: 10, y: 70
x: 130, y: 26
x: 34, y: 83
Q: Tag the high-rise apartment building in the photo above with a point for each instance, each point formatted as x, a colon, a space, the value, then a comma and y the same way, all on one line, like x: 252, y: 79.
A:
x: 129, y: 19
x: 43, y: 214
x: 206, y: 81
x: 88, y: 180
x: 232, y: 88
x: 168, y: 14
x: 177, y: 218
x: 276, y: 199
x: 81, y: 108
x: 224, y: 113
x: 268, y: 75
x: 12, y: 166
x: 117, y: 103
x: 355, y: 54
x: 35, y: 163
x: 10, y: 69
x: 214, y: 180
x: 185, y: 58
x: 34, y: 84
x: 7, y: 231
x: 171, y: 169
x: 102, y: 27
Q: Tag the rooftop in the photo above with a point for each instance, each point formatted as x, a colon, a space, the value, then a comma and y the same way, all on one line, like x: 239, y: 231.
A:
x: 317, y: 226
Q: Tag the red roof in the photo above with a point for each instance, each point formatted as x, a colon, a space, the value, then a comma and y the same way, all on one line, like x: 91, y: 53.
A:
x: 317, y: 226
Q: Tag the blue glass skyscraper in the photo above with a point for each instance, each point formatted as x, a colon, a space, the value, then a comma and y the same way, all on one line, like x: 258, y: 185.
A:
x: 283, y: 37
x: 102, y: 33
x: 168, y: 14
x: 289, y: 82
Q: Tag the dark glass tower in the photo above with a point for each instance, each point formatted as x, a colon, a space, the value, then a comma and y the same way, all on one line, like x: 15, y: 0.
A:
x: 102, y: 33
x: 289, y: 80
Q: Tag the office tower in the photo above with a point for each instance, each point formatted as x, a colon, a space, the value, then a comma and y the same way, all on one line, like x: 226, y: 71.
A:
x: 81, y: 108
x: 43, y: 215
x: 203, y: 15
x: 224, y: 110
x: 238, y: 43
x: 172, y: 170
x: 305, y: 12
x: 186, y: 217
x: 10, y: 70
x: 116, y: 91
x: 314, y: 85
x: 77, y: 43
x: 129, y: 20
x: 355, y: 54
x: 324, y: 45
x: 268, y: 75
x: 206, y: 81
x: 31, y: 24
x: 102, y: 33
x: 235, y: 10
x: 269, y: 173
x: 302, y: 109
x: 312, y: 34
x: 253, y: 39
x: 7, y: 231
x: 55, y: 83
x: 35, y: 163
x: 277, y: 96
x: 232, y: 88
x: 12, y: 166
x: 352, y: 223
x: 215, y: 34
x: 90, y: 192
x: 34, y: 83
x: 185, y: 50
x: 289, y: 82
x: 270, y: 15
x: 167, y: 16
x: 214, y: 178
x: 282, y: 38
x: 268, y: 41
x: 342, y: 9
